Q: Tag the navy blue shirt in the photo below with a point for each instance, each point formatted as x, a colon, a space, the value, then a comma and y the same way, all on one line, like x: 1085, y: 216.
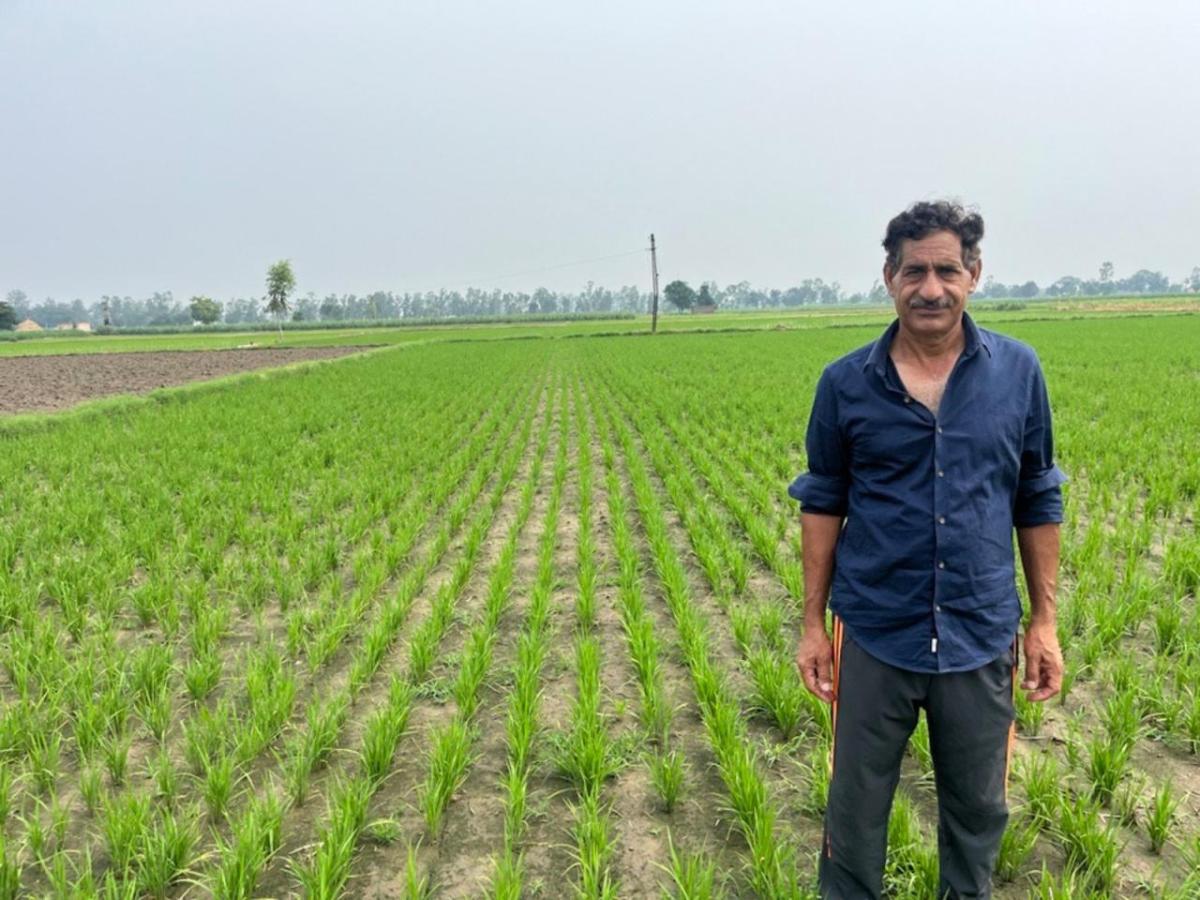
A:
x: 924, y: 575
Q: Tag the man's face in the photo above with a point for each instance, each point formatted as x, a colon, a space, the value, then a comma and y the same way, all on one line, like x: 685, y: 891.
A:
x: 930, y: 284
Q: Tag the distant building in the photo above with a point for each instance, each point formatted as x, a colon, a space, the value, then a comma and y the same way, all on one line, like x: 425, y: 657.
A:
x: 28, y: 325
x: 73, y: 326
x: 707, y: 308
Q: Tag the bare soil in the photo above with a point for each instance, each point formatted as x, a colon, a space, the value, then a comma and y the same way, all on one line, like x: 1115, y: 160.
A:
x: 49, y: 383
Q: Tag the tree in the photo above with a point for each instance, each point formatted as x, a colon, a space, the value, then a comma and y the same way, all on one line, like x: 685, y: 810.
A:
x: 1193, y: 280
x: 680, y: 295
x: 1106, y: 271
x: 705, y: 297
x: 8, y: 317
x: 281, y: 281
x: 1026, y: 290
x: 17, y: 299
x: 204, y: 310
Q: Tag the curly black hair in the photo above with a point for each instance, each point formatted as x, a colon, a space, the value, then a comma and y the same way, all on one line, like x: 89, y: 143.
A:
x: 923, y: 219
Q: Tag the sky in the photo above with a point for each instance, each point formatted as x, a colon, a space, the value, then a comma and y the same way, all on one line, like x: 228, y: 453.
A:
x: 407, y: 145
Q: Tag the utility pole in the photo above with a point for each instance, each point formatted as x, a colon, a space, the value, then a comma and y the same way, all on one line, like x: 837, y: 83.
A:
x: 654, y: 287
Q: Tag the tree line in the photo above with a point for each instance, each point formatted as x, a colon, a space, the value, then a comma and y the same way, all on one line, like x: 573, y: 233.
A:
x: 162, y: 309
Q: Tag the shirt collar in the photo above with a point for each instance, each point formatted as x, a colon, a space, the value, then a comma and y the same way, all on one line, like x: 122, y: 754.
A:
x: 974, y: 338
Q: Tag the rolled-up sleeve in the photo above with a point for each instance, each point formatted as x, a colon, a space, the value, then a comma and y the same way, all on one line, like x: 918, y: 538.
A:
x: 824, y: 488
x: 1039, y: 489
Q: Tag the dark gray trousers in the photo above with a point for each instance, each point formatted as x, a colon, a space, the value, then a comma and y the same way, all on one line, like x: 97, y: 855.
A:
x: 970, y: 716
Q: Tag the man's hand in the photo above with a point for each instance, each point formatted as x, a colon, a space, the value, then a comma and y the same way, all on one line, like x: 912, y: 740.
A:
x: 1043, y: 662
x: 815, y: 659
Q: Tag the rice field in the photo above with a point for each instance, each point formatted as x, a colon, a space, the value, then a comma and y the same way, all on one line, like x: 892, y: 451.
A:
x: 517, y: 619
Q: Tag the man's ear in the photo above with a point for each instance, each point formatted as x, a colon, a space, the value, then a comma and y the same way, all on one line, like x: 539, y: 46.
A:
x: 888, y: 273
x: 976, y: 269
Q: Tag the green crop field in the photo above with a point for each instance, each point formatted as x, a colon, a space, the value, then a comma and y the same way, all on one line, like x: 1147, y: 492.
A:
x: 516, y: 618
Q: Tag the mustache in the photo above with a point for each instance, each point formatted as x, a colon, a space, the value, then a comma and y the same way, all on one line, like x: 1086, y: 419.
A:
x: 929, y: 304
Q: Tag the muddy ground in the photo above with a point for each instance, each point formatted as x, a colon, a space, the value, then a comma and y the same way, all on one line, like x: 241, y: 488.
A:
x: 49, y: 383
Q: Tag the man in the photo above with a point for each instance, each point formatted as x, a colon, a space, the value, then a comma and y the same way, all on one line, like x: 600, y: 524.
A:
x: 926, y: 448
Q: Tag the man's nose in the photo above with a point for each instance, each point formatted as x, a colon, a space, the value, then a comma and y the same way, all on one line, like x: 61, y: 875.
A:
x: 930, y: 287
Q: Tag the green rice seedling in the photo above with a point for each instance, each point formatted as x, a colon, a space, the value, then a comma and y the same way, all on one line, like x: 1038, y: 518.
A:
x: 1029, y: 714
x: 693, y: 875
x: 778, y: 690
x: 10, y: 872
x: 1122, y: 715
x: 44, y: 750
x: 1016, y: 845
x: 201, y: 674
x: 36, y: 836
x: 1068, y: 886
x: 325, y: 717
x: 416, y: 885
x: 116, y: 757
x: 89, y: 729
x: 918, y: 743
x: 911, y: 870
x: 1041, y: 776
x: 1108, y: 763
x: 156, y: 711
x: 254, y: 839
x: 508, y: 878
x: 772, y: 625
x: 166, y: 777
x: 473, y: 669
x: 1073, y: 668
x: 6, y: 792
x: 741, y: 620
x: 58, y: 876
x: 219, y: 780
x: 516, y: 791
x: 449, y: 757
x: 383, y: 832
x: 1126, y: 800
x: 1161, y: 816
x: 594, y: 847
x: 91, y: 788
x: 817, y: 769
x: 127, y: 822
x: 1168, y: 628
x: 667, y: 773
x: 166, y: 854
x: 325, y: 874
x: 1091, y: 845
x: 1191, y: 718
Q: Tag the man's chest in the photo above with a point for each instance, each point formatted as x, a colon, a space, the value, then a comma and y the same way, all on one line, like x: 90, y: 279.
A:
x: 927, y: 389
x: 960, y: 425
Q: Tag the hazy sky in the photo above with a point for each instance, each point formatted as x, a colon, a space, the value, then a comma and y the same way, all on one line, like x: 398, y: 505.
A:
x: 167, y: 144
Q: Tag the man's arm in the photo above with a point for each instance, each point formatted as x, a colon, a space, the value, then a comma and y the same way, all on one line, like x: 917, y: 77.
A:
x: 818, y: 543
x: 1039, y: 546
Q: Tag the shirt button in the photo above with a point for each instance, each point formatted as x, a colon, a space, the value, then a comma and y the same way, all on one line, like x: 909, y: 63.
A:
x: 939, y: 429
x: 941, y: 473
x: 941, y: 520
x: 908, y: 399
x: 942, y: 564
x: 937, y: 609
